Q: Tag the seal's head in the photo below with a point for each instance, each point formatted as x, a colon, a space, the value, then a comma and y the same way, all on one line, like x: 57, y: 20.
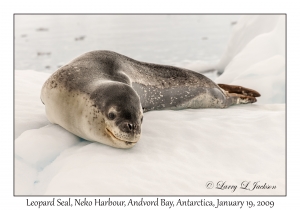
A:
x: 122, y: 113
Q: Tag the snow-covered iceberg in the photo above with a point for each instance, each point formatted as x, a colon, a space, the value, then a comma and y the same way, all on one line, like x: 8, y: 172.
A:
x: 179, y: 151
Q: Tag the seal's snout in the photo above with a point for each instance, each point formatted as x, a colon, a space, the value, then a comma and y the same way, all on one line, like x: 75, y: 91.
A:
x: 129, y: 127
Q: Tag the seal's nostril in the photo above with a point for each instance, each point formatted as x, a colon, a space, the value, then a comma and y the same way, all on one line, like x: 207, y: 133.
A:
x: 130, y: 126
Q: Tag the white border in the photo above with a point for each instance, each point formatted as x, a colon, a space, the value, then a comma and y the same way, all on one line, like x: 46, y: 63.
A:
x: 156, y: 6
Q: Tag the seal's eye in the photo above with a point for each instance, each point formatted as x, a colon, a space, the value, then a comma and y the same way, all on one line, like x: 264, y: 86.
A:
x: 142, y: 119
x: 111, y: 116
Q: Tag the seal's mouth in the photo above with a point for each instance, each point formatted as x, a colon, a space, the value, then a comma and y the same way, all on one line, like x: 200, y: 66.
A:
x: 112, y: 135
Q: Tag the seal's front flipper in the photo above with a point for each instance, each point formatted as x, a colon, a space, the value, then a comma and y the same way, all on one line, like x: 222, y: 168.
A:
x: 239, y: 90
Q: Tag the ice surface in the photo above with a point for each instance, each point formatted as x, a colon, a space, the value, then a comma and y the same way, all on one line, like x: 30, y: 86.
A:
x: 163, y: 39
x: 178, y: 154
x: 179, y: 151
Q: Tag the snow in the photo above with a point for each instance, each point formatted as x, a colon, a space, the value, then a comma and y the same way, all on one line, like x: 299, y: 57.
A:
x: 179, y: 151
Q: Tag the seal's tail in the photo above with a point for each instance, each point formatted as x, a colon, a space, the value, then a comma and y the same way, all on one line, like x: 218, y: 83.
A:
x: 239, y: 95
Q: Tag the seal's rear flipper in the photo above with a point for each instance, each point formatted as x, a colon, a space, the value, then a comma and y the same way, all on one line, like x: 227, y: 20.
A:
x: 239, y: 90
x: 241, y: 99
x: 234, y: 98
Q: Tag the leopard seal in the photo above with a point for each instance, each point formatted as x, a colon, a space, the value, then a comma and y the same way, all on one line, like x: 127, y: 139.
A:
x: 101, y: 95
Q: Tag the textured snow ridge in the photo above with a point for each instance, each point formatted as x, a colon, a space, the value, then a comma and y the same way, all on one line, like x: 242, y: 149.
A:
x: 29, y: 110
x: 255, y: 57
x: 247, y: 28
